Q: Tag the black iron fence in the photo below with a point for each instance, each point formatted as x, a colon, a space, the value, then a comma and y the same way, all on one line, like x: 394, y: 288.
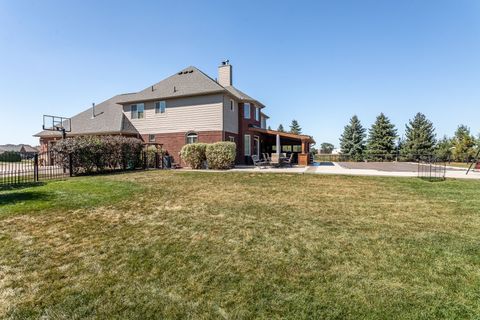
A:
x: 53, y: 165
x: 28, y: 169
x: 431, y: 168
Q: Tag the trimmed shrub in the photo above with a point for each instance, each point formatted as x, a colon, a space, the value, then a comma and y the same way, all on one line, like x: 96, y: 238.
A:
x: 194, y: 154
x: 221, y: 155
x: 10, y: 156
x: 99, y: 153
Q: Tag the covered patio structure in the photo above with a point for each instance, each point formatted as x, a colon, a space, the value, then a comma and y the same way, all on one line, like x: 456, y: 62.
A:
x: 277, y: 142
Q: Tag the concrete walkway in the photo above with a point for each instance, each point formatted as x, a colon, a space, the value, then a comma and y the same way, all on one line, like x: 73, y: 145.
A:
x: 337, y: 169
x: 451, y: 172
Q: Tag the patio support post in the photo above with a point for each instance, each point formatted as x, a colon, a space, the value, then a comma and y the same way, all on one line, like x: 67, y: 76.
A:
x: 278, y: 146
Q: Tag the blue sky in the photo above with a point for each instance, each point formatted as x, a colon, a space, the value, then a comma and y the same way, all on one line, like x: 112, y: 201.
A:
x: 319, y: 62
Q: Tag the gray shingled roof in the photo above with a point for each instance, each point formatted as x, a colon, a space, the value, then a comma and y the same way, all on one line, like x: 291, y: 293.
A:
x: 17, y: 148
x: 242, y: 96
x: 109, y: 118
x: 188, y: 82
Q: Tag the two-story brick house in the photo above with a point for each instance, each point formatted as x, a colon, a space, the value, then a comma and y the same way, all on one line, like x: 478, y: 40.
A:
x: 187, y: 107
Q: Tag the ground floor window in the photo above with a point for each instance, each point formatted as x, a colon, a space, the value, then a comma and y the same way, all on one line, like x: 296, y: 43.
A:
x: 192, y: 137
x: 297, y: 148
x: 151, y: 138
x: 247, y: 145
x: 286, y: 148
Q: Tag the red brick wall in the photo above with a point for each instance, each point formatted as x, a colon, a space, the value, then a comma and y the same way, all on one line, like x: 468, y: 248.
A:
x: 244, y: 129
x: 173, y: 142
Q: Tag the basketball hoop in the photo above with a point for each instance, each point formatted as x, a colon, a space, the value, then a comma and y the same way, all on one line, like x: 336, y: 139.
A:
x: 56, y: 123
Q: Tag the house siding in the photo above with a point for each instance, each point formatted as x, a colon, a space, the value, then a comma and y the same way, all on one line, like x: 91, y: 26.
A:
x: 201, y: 113
x: 230, y: 118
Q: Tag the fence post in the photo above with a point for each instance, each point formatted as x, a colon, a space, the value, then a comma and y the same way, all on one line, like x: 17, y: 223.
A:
x: 35, y: 168
x: 70, y: 164
x: 157, y: 162
x: 144, y: 160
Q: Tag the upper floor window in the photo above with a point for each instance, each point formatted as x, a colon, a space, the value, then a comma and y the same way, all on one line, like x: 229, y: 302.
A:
x: 257, y: 114
x: 137, y: 110
x: 232, y: 105
x: 192, y: 137
x: 246, y: 110
x: 160, y: 106
x: 263, y: 122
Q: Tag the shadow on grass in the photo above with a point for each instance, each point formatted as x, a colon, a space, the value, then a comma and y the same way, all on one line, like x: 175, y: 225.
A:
x: 20, y: 186
x: 14, y: 197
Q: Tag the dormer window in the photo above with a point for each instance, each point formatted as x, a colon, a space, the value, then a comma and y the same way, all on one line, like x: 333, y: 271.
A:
x: 160, y: 106
x: 246, y: 110
x: 137, y: 111
x: 257, y: 114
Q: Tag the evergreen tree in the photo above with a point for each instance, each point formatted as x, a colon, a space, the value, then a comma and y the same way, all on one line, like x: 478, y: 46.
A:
x: 326, y: 148
x: 280, y: 128
x: 420, y: 137
x: 382, y: 139
x: 269, y: 128
x: 464, y: 144
x: 352, y: 141
x: 295, y: 127
x: 443, y: 149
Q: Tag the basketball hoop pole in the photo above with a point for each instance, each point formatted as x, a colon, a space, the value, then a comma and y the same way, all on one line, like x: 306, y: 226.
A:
x: 474, y: 162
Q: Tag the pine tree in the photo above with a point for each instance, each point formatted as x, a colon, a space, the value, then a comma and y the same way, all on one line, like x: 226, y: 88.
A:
x: 280, y: 128
x: 420, y: 138
x: 295, y: 127
x: 352, y: 141
x: 464, y: 144
x: 269, y: 128
x: 382, y: 138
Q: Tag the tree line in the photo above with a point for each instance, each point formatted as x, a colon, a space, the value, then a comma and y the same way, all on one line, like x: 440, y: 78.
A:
x: 383, y: 143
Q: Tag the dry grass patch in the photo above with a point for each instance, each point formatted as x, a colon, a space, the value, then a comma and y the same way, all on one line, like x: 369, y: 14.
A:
x: 197, y: 245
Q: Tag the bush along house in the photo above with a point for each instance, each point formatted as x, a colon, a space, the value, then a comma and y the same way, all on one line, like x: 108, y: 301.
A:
x: 188, y: 107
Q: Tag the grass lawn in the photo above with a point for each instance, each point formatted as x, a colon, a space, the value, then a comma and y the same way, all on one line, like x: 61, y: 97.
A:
x: 238, y: 246
x: 460, y: 164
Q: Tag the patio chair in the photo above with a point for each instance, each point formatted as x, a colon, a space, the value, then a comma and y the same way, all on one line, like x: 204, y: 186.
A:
x: 266, y: 157
x: 259, y: 163
x: 289, y: 160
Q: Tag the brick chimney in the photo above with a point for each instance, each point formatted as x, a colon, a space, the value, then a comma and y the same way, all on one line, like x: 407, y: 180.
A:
x: 225, y: 74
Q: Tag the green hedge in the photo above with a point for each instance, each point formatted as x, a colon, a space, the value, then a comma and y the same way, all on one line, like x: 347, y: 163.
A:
x: 93, y: 153
x: 221, y: 155
x: 194, y: 155
x: 10, y: 156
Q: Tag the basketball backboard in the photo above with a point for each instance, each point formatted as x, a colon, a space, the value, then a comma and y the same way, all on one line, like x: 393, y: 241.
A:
x: 56, y: 123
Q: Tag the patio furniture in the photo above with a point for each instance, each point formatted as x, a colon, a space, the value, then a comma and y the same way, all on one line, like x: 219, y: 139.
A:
x: 259, y: 163
x: 275, y: 160
x: 288, y: 161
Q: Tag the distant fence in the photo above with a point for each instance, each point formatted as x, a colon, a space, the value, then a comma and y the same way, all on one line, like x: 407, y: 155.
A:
x: 391, y: 157
x: 431, y: 168
x: 53, y: 165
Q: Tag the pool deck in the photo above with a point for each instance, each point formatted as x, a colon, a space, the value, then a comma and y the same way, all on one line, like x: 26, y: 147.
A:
x: 386, y: 169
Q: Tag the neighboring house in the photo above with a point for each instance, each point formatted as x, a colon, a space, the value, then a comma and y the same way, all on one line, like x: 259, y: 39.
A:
x: 187, y: 107
x: 25, y: 150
